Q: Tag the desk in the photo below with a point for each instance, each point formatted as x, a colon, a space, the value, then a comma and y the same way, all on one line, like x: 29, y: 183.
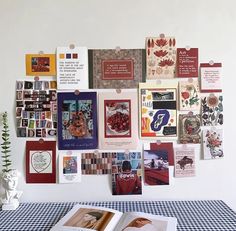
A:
x: 206, y: 215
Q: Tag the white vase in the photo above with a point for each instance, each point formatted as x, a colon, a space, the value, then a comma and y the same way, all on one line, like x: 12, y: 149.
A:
x: 10, y: 199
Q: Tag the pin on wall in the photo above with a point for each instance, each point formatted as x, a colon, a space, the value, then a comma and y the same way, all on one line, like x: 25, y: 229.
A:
x: 162, y: 35
x: 117, y: 49
x: 190, y: 113
x: 96, y: 152
x: 41, y: 52
x: 77, y: 92
x: 72, y: 46
x: 187, y: 48
x: 36, y: 78
x: 211, y: 62
x: 158, y: 142
x: 118, y: 91
x: 41, y: 140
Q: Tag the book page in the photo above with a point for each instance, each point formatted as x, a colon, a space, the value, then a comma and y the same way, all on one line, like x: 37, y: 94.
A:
x: 87, y: 218
x: 136, y: 221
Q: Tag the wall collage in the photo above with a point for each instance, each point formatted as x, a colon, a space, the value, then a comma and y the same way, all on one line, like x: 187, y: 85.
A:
x: 97, y: 107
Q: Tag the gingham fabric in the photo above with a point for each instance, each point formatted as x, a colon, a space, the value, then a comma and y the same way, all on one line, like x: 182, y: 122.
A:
x: 210, y: 215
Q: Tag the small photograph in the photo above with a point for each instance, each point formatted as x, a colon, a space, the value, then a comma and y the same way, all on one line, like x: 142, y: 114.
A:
x: 117, y: 118
x: 91, y: 219
x: 156, y: 167
x: 69, y: 164
x: 40, y: 64
x: 162, y: 95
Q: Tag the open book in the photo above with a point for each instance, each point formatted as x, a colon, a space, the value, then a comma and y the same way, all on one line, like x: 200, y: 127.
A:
x: 83, y: 217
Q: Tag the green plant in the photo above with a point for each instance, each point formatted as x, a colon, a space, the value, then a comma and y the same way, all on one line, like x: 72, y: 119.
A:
x: 6, y: 162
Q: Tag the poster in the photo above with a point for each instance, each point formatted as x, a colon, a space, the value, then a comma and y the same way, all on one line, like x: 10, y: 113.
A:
x: 72, y: 68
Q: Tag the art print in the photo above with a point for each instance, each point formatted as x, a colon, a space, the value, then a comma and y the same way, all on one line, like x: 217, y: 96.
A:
x: 212, y: 143
x: 77, y: 121
x: 161, y: 57
x: 212, y: 110
x: 118, y: 124
x: 35, y: 109
x: 40, y: 161
x: 69, y: 167
x: 96, y: 163
x: 189, y: 96
x: 117, y: 118
x: 156, y: 168
x: 158, y: 112
x: 111, y: 68
x: 72, y: 68
x: 184, y: 162
x: 126, y: 173
x: 190, y: 128
x: 40, y: 64
x: 211, y: 77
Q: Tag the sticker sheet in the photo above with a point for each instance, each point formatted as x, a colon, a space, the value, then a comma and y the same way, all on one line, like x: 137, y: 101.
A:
x: 96, y: 163
x: 189, y: 96
x: 210, y: 77
x: 212, y: 110
x: 163, y: 148
x: 69, y: 167
x: 112, y: 68
x: 36, y: 108
x: 184, y: 162
x: 126, y: 173
x: 72, y: 68
x: 40, y: 161
x: 156, y: 167
x: 212, y: 143
x: 161, y: 57
x: 118, y: 123
x: 77, y: 121
x: 40, y: 64
x: 187, y: 63
x: 190, y: 128
x: 158, y: 111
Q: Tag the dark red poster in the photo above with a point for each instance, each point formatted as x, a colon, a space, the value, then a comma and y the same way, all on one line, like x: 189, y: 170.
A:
x: 187, y: 63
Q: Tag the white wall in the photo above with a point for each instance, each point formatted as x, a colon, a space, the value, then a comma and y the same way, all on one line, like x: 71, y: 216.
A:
x: 28, y: 26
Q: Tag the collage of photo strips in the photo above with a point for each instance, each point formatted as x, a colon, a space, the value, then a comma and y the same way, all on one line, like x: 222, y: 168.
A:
x: 130, y: 113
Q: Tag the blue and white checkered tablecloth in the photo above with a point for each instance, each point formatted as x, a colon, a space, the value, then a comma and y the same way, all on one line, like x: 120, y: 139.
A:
x: 209, y: 215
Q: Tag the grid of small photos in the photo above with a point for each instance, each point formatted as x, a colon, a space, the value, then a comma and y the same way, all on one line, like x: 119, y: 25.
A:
x: 175, y: 102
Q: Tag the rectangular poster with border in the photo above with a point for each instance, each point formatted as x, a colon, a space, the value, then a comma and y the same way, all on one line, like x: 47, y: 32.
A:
x: 69, y: 167
x: 41, y: 161
x: 40, y: 64
x: 158, y: 110
x: 72, y: 68
x: 118, y: 126
x: 77, y: 121
x: 116, y: 68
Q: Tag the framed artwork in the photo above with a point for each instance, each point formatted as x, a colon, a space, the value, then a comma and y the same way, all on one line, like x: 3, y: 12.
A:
x: 72, y: 68
x: 118, y: 126
x: 36, y: 109
x: 112, y: 68
x: 77, y: 121
x: 40, y: 162
x: 160, y: 57
x: 40, y: 64
x: 69, y: 167
x: 190, y: 128
x: 158, y: 111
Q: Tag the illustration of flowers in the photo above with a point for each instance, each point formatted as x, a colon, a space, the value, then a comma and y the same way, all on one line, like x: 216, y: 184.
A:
x: 214, y: 144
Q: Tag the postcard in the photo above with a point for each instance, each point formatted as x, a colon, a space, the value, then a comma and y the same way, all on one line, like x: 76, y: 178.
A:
x: 160, y: 57
x: 189, y: 96
x: 118, y: 123
x: 163, y: 148
x: 36, y: 111
x: 72, y: 68
x: 212, y: 143
x: 96, y: 163
x: 210, y: 77
x: 187, y: 63
x: 190, y: 128
x: 69, y: 167
x: 77, y: 120
x: 184, y: 162
x: 40, y: 64
x: 126, y: 173
x: 112, y: 68
x: 40, y: 161
x: 212, y: 109
x: 156, y: 167
x: 158, y: 110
